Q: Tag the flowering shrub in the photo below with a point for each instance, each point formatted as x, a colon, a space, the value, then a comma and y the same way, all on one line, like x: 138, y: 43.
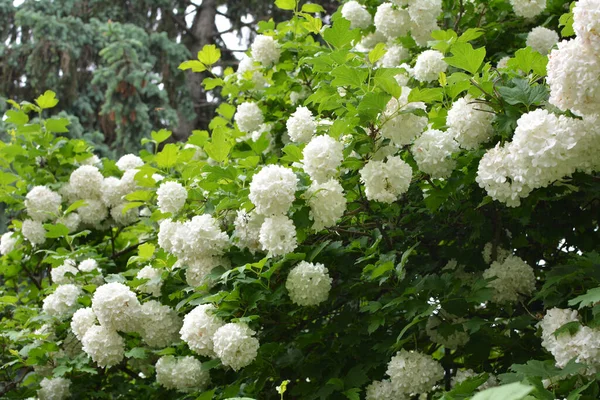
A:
x: 390, y: 205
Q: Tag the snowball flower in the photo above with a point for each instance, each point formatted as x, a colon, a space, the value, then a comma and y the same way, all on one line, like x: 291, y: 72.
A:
x: 199, y: 327
x: 104, y: 346
x: 82, y: 321
x: 86, y: 182
x: 7, y: 242
x: 542, y: 39
x: 503, y: 62
x: 63, y: 302
x: 394, y: 55
x: 278, y: 235
x: 301, y: 125
x: 167, y: 230
x: 429, y: 65
x: 42, y: 204
x: 54, y: 389
x: 399, y: 124
x: 154, y: 280
x: 33, y: 231
x: 171, y: 197
x: 470, y: 122
x: 93, y: 212
x: 322, y: 157
x: 235, y: 345
x: 386, y: 181
x: 464, y: 374
x: 272, y: 190
x: 308, y: 284
x: 501, y: 254
x: 513, y: 279
x: 552, y: 321
x: 433, y: 153
x: 573, y: 71
x: 586, y: 22
x: 453, y: 340
x: 129, y: 161
x: 88, y: 265
x: 327, y: 203
x: 248, y: 117
x: 116, y: 307
x: 112, y: 191
x: 390, y: 21
x: 356, y: 13
x: 198, y: 270
x: 528, y: 8
x: 247, y: 228
x: 160, y: 324
x: 184, y: 374
x: 124, y: 218
x: 199, y: 237
x: 413, y: 372
x: 265, y: 50
x: 58, y: 274
x: 383, y: 390
x: 71, y: 221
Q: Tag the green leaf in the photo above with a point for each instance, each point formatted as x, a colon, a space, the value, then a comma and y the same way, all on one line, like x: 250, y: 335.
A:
x: 352, y: 394
x: 312, y: 24
x: 349, y: 76
x: 57, y: 125
x: 167, y: 158
x: 371, y: 105
x: 528, y: 60
x: 465, y: 57
x: 566, y: 20
x: 293, y: 153
x: 211, y: 83
x: 384, y: 79
x: 286, y: 4
x: 535, y: 368
x: 56, y: 230
x: 75, y: 206
x: 471, y: 34
x: 207, y: 395
x: 209, y: 54
x: 591, y: 297
x: 199, y: 138
x: 340, y: 35
x: 312, y: 8
x: 16, y: 117
x: 194, y: 65
x: 377, y: 52
x: 136, y: 352
x: 523, y: 93
x: 146, y: 250
x: 161, y: 135
x: 129, y: 206
x: 513, y: 391
x: 47, y: 100
x: 426, y: 95
x: 218, y: 148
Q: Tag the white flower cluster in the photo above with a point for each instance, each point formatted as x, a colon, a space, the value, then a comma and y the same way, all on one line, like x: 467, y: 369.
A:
x: 273, y: 189
x: 160, y: 324
x: 82, y: 321
x: 413, y: 372
x: 586, y: 22
x: 197, y: 273
x: 512, y: 279
x: 322, y: 157
x: 420, y: 17
x: 464, y: 374
x: 394, y: 56
x: 154, y: 283
x: 584, y: 345
x: 88, y: 265
x: 308, y: 284
x: 383, y: 390
x: 277, y: 235
x: 386, y: 181
x: 327, y: 203
x: 103, y: 345
x: 86, y: 182
x: 247, y: 228
x: 542, y: 39
x: 428, y: 66
x: 470, y: 122
x: 171, y: 197
x: 184, y: 374
x: 42, y: 204
x: 248, y: 117
x: 247, y: 69
x: 433, y: 153
x: 301, y: 125
x: 198, y: 330
x: 501, y: 254
x: 356, y: 13
x: 116, y: 307
x: 391, y: 21
x: 8, y: 242
x: 528, y: 8
x: 58, y: 274
x: 54, y: 389
x: 400, y: 124
x: 129, y: 161
x: 34, y: 232
x: 265, y: 50
x: 235, y: 345
x: 63, y: 302
x: 454, y: 340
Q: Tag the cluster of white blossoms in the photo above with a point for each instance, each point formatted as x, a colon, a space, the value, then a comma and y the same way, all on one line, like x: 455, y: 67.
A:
x: 198, y: 271
x: 356, y: 13
x: 417, y: 16
x: 586, y: 22
x: 171, y: 197
x: 184, y: 374
x: 394, y: 56
x: 62, y: 303
x: 273, y: 189
x: 8, y: 242
x: 58, y: 274
x: 454, y: 340
x: 512, y: 279
x: 391, y: 21
x: 277, y: 235
x: 308, y: 284
x: 583, y: 345
x: 383, y: 390
x: 413, y: 373
x: 433, y: 153
x: 248, y: 117
x: 42, y: 204
x: 386, y: 181
x: 322, y: 157
x: 301, y: 125
x: 265, y: 50
x: 247, y: 229
x: 34, y: 232
x: 248, y: 70
x: 470, y: 122
x: 399, y: 123
x: 501, y: 254
x: 154, y: 283
x: 429, y: 65
x: 542, y: 39
x: 464, y: 374
x: 82, y: 321
x: 129, y: 161
x: 327, y: 203
x: 198, y: 330
x: 88, y: 265
x: 105, y: 346
x: 54, y: 389
x: 235, y: 345
x: 117, y: 307
x: 160, y: 324
x: 528, y: 8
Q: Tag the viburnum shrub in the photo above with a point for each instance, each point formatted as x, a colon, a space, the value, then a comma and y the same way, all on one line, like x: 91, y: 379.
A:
x: 400, y: 201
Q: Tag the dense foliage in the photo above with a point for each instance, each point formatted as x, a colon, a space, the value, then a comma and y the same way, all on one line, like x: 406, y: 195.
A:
x: 398, y: 202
